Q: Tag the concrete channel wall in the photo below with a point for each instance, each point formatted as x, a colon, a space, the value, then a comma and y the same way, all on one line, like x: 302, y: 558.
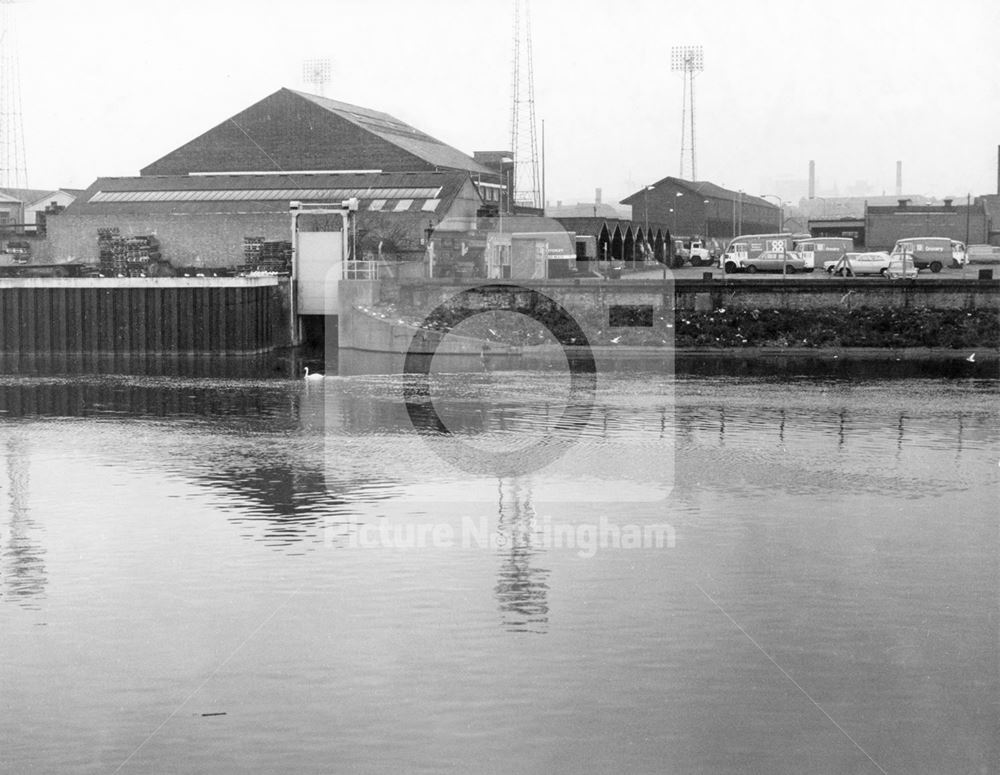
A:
x: 359, y: 329
x: 96, y: 316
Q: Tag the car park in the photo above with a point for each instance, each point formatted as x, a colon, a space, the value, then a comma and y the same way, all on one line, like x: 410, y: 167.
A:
x: 852, y: 264
x: 767, y: 261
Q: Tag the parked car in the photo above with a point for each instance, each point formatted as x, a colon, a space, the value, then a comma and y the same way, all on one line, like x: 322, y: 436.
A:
x: 768, y: 261
x: 858, y: 264
x: 901, y: 266
x: 984, y: 254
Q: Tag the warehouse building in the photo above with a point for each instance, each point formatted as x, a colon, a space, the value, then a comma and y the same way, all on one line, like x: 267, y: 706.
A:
x: 699, y: 208
x: 220, y: 196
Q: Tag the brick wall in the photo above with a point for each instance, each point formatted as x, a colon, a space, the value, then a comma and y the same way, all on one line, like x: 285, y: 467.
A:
x: 209, y: 240
x: 884, y: 228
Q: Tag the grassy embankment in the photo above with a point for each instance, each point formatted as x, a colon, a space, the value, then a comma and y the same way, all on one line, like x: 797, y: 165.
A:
x: 772, y: 328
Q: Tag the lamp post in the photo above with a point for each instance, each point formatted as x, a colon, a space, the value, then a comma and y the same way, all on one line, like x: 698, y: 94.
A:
x: 781, y: 228
x: 781, y: 210
x: 645, y: 207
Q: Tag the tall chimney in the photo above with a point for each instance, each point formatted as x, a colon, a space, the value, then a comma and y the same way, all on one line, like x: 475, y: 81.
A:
x: 597, y: 196
x: 998, y: 169
x: 899, y: 178
x: 812, y: 179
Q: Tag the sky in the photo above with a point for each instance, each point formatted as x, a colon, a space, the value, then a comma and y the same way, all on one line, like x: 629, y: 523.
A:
x: 108, y: 87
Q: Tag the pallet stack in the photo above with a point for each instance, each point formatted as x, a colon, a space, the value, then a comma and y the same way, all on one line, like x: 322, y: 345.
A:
x: 126, y: 256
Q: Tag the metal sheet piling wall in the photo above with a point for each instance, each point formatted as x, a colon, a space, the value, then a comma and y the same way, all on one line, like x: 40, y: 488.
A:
x: 95, y: 318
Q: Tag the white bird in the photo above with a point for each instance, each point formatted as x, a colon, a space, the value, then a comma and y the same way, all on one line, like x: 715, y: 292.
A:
x: 616, y: 340
x: 314, y: 375
x: 971, y: 358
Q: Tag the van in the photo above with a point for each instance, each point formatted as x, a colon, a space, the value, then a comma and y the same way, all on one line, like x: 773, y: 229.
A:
x: 932, y: 253
x: 817, y: 251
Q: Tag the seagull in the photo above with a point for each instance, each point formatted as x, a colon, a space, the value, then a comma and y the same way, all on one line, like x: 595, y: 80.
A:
x: 314, y: 375
x: 971, y: 358
x: 616, y: 340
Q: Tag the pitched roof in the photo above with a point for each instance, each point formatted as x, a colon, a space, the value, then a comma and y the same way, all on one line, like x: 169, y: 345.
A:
x: 291, y: 130
x: 399, y: 133
x: 702, y: 188
x: 28, y: 195
x: 396, y: 191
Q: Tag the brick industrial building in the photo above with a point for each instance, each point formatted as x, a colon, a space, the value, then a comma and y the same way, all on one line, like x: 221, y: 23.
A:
x: 884, y: 224
x: 699, y: 208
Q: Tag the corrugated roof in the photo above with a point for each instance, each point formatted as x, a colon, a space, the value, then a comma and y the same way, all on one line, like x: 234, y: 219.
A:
x: 399, y: 133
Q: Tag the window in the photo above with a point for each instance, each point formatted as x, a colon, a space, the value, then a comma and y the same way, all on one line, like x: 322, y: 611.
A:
x: 377, y: 204
x: 403, y: 205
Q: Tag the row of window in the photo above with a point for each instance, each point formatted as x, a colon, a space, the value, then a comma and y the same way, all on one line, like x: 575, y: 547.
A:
x: 236, y: 195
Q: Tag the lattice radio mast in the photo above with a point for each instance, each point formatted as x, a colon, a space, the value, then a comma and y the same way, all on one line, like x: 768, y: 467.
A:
x: 687, y: 60
x: 13, y: 167
x: 523, y: 140
x: 316, y: 73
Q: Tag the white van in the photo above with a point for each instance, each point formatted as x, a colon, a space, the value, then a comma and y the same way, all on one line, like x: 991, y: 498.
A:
x: 933, y: 253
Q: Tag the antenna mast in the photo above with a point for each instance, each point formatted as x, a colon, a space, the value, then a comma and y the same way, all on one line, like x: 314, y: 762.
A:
x: 13, y: 167
x: 523, y: 140
x: 687, y: 60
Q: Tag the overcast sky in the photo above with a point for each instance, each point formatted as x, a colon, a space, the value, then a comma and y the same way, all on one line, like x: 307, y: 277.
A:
x: 107, y: 86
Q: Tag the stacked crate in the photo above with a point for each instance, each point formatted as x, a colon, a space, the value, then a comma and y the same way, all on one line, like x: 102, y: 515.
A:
x: 276, y: 257
x: 261, y: 255
x: 105, y: 252
x: 251, y: 253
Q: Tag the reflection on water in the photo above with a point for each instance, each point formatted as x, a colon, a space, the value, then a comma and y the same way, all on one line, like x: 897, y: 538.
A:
x: 204, y: 531
x: 522, y: 588
x: 22, y: 563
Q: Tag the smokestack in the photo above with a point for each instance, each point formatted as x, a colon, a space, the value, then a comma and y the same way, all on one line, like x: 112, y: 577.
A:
x: 597, y: 196
x: 899, y: 178
x: 812, y: 179
x: 998, y: 170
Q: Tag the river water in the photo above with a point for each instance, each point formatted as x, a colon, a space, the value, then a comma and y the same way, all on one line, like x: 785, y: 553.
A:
x: 734, y: 573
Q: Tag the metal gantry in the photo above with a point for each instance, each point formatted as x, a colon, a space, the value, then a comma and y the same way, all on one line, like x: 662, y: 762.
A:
x: 524, y: 139
x: 688, y: 61
x: 13, y: 166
